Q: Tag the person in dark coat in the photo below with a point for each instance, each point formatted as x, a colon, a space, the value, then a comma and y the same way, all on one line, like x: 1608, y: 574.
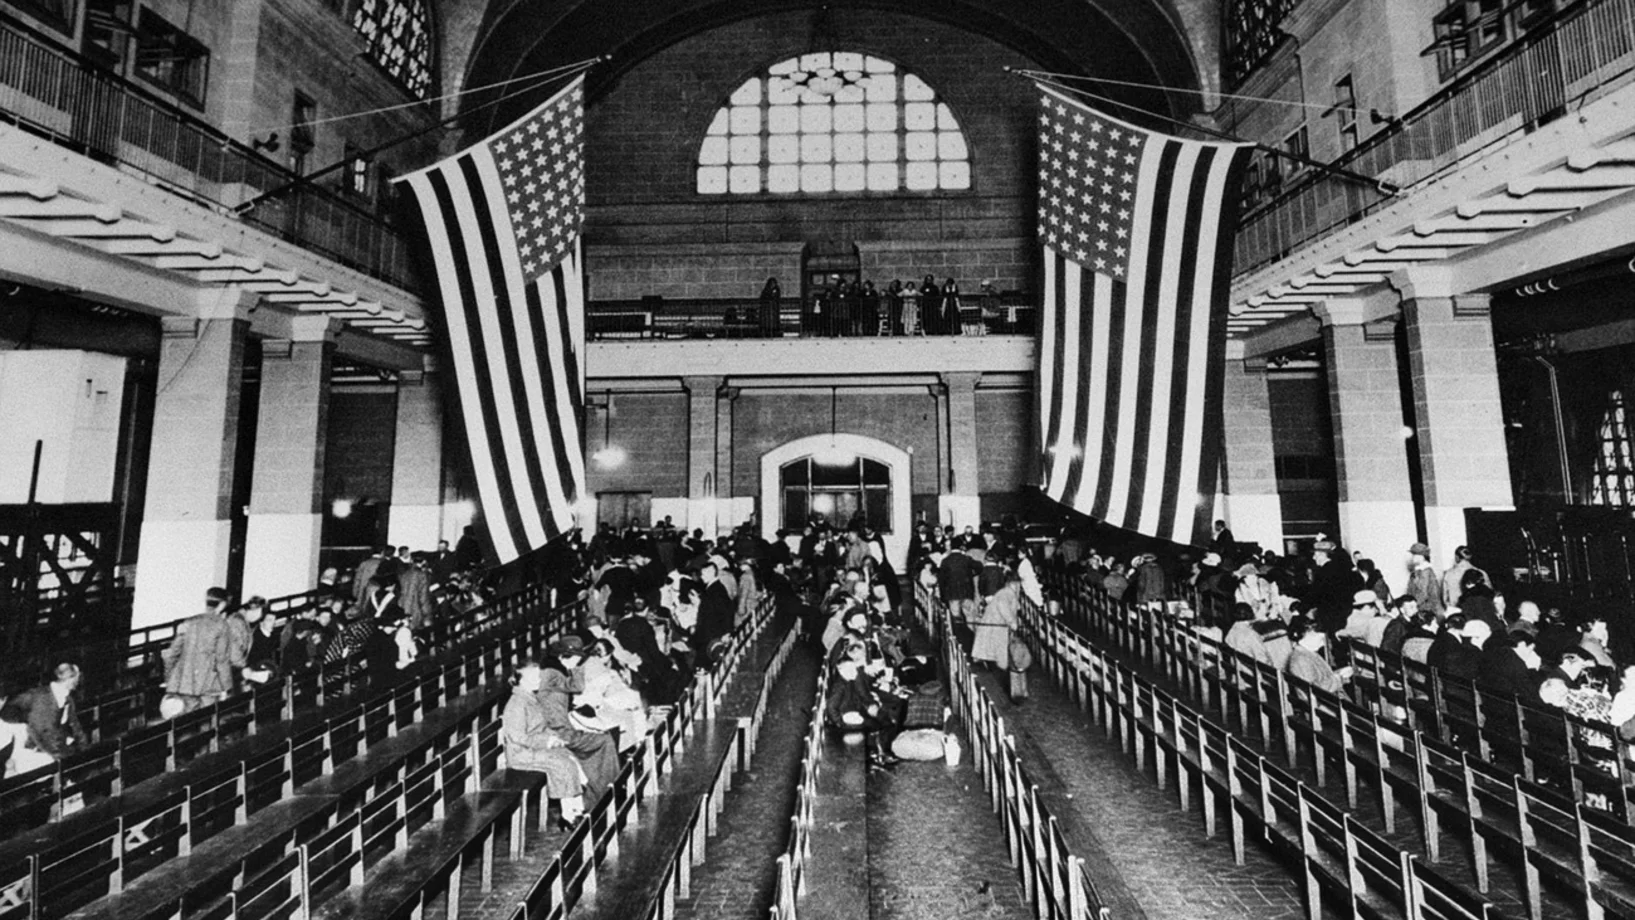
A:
x: 1465, y: 660
x: 1446, y: 641
x: 931, y: 315
x: 1333, y: 584
x: 46, y: 721
x: 716, y: 609
x: 771, y: 308
x: 596, y: 752
x: 1511, y: 668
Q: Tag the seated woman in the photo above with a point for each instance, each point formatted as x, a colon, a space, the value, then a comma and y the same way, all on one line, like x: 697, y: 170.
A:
x: 560, y: 680
x: 615, y: 705
x: 530, y: 745
x: 859, y: 701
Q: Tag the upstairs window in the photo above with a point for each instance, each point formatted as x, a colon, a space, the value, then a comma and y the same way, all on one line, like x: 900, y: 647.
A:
x: 1613, y: 479
x: 833, y: 122
x: 399, y: 36
x: 1345, y: 109
x: 171, y: 59
x: 1252, y: 34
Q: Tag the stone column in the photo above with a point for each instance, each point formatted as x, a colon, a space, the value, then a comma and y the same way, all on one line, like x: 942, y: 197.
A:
x: 702, y: 484
x: 1250, y: 502
x: 961, y: 500
x: 287, y: 481
x: 1457, y: 414
x: 187, y: 516
x: 1376, y: 502
x: 416, y: 518
x: 731, y: 509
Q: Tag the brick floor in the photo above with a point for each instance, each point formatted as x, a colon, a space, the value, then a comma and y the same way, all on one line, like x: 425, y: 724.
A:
x: 1146, y: 856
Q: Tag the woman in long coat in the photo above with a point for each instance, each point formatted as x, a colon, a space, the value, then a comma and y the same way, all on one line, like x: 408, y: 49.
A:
x: 1000, y: 614
x: 531, y: 745
x: 559, y: 681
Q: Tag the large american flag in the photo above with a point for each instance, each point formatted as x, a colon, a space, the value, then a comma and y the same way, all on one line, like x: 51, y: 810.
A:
x: 503, y: 218
x: 1137, y: 232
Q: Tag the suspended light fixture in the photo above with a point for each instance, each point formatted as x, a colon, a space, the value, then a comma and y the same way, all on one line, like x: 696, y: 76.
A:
x: 834, y: 454
x: 609, y: 456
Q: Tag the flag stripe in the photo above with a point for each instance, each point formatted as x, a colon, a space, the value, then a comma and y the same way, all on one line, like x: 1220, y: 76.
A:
x: 1172, y: 488
x: 466, y: 345
x: 1049, y: 363
x: 1152, y: 365
x: 1106, y: 295
x: 500, y: 346
x: 1073, y: 294
x: 1067, y: 399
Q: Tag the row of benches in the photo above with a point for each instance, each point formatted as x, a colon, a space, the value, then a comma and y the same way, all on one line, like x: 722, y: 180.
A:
x: 1584, y: 758
x: 791, y: 884
x: 1506, y: 813
x: 242, y: 796
x: 133, y: 755
x: 703, y: 821
x: 1053, y: 879
x: 1337, y: 853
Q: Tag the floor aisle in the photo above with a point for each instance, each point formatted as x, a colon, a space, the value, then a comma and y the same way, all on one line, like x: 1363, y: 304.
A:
x: 1153, y: 859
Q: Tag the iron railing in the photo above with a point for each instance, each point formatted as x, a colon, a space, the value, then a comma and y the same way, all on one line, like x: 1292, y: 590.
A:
x: 63, y: 97
x: 744, y: 318
x: 1523, y: 87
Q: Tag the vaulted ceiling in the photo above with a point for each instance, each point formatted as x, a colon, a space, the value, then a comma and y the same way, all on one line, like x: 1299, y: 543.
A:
x: 1165, y: 42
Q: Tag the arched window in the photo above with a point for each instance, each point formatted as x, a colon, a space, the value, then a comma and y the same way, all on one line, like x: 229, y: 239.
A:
x: 1251, y: 34
x: 833, y: 122
x: 1613, y: 481
x: 399, y: 36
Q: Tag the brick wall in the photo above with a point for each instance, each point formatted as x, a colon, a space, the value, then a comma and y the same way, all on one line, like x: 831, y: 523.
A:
x: 762, y: 421
x: 361, y: 440
x: 652, y: 430
x: 649, y: 232
x: 1006, y: 447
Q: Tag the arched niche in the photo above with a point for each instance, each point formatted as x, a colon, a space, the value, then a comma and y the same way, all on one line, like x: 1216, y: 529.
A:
x: 895, y: 459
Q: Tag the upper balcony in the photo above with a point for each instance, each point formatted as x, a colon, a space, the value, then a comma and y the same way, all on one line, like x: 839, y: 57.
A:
x: 1586, y: 51
x: 65, y: 98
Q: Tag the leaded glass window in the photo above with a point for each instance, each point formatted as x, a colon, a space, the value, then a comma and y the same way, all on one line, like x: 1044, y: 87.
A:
x: 831, y: 122
x: 1613, y: 480
x: 399, y: 36
x: 1252, y: 33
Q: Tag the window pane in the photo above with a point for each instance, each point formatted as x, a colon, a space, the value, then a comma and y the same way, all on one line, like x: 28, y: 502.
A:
x: 746, y: 150
x: 876, y: 473
x: 719, y: 125
x: 951, y: 145
x: 849, y: 177
x: 713, y: 152
x: 920, y: 145
x: 745, y: 179
x: 816, y: 148
x: 848, y: 148
x: 783, y: 119
x: 915, y: 90
x: 921, y: 176
x: 875, y: 65
x: 919, y: 116
x: 850, y: 93
x: 748, y: 94
x: 882, y: 116
x: 795, y: 473
x: 848, y: 118
x: 712, y: 180
x: 883, y: 147
x: 783, y: 178
x: 883, y: 177
x: 746, y: 120
x: 848, y: 60
x: 780, y: 91
x: 816, y: 178
x: 955, y: 175
x: 881, y: 88
x: 783, y: 148
x: 816, y: 60
x: 945, y: 118
x: 815, y: 118
x: 877, y: 509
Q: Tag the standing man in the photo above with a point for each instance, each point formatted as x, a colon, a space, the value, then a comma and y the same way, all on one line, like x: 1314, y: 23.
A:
x: 198, y: 663
x: 1423, y: 584
x: 956, y: 583
x: 1451, y: 587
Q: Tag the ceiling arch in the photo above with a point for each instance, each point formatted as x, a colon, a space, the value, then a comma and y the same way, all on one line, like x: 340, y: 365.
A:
x: 1139, y: 41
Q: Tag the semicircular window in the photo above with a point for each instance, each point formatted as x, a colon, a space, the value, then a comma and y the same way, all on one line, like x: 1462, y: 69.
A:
x: 833, y: 123
x: 399, y: 36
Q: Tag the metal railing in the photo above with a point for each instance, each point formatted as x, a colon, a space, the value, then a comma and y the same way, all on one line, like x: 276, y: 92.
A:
x: 1523, y: 87
x: 63, y: 97
x: 744, y: 318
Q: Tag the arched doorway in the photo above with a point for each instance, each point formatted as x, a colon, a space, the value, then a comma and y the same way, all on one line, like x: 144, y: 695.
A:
x: 836, y: 476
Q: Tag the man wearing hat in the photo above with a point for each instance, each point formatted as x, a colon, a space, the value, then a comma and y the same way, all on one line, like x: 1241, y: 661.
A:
x: 1423, y: 582
x: 1570, y: 669
x: 198, y: 663
x: 1333, y: 585
x: 1365, y: 606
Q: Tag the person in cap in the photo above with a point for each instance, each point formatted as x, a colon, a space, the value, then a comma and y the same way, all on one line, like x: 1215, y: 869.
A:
x: 559, y: 681
x: 1365, y: 606
x: 1333, y: 584
x: 198, y: 662
x: 1253, y: 589
x: 1570, y: 668
x: 1423, y: 582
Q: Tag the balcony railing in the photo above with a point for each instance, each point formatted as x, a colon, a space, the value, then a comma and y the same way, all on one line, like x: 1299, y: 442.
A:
x: 743, y: 318
x: 1519, y: 89
x: 63, y: 97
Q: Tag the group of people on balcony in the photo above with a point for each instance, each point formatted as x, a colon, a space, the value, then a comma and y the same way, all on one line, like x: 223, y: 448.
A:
x: 847, y: 308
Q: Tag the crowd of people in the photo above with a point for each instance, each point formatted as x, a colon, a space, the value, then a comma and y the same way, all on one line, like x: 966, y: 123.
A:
x: 859, y: 308
x: 1285, y: 610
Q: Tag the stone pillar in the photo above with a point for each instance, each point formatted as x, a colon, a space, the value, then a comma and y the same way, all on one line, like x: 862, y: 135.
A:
x: 960, y: 501
x: 1457, y: 415
x: 187, y: 517
x: 416, y: 518
x: 287, y: 480
x: 702, y: 484
x: 731, y: 509
x: 1376, y: 502
x: 1249, y: 502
